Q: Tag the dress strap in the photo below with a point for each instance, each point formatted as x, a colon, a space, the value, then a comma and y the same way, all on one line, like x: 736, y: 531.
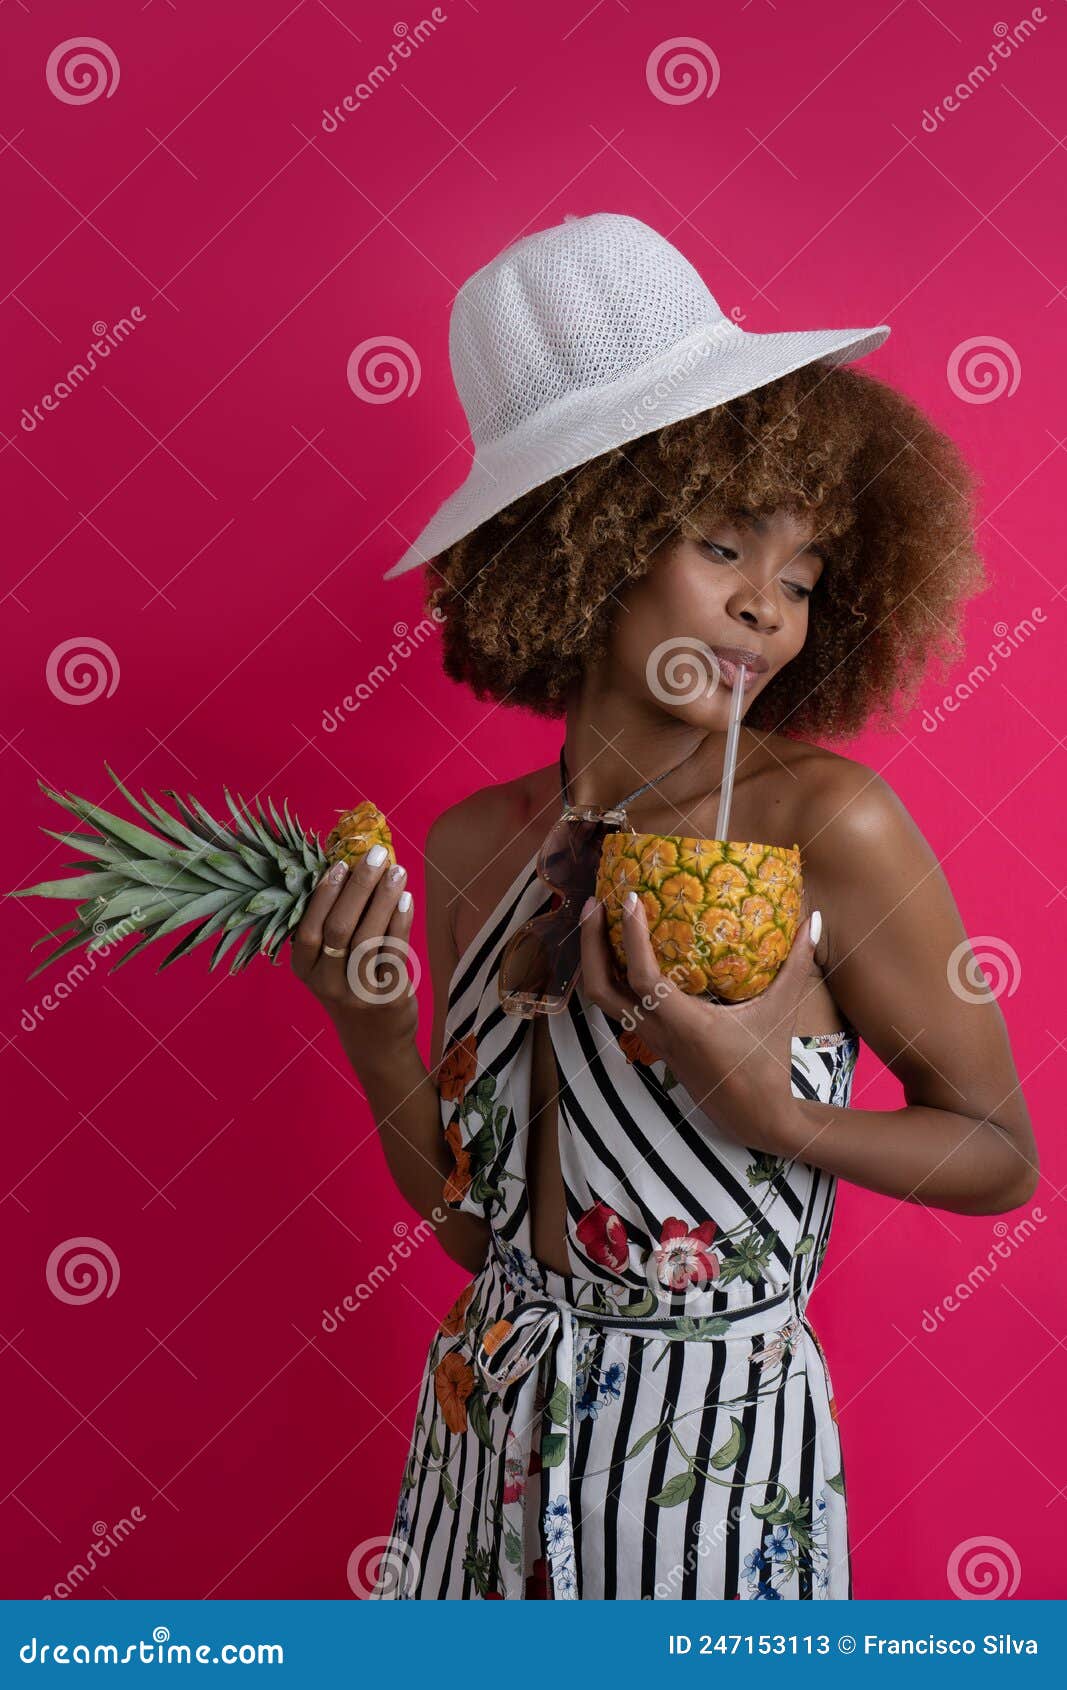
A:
x: 622, y: 803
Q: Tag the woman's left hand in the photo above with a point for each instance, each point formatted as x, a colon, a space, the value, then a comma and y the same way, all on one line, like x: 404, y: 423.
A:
x: 733, y: 1059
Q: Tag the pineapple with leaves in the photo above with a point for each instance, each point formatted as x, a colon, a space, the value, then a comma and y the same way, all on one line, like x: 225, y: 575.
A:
x: 248, y: 883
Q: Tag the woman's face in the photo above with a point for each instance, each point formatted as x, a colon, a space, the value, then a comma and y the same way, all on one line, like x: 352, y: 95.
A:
x: 742, y: 587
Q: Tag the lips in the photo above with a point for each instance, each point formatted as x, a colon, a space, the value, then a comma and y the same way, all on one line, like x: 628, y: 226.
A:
x: 730, y: 660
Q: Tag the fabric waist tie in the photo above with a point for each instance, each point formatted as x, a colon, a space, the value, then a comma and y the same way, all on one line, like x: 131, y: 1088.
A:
x: 531, y: 1326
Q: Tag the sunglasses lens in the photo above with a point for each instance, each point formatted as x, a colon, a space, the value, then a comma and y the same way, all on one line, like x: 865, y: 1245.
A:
x: 541, y: 961
x: 540, y: 964
x: 570, y: 856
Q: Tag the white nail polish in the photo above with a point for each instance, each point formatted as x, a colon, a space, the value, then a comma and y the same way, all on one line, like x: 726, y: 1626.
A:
x: 630, y: 901
x: 403, y: 903
x: 816, y: 926
x: 376, y: 856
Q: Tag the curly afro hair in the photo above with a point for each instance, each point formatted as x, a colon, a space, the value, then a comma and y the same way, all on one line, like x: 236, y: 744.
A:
x: 528, y: 598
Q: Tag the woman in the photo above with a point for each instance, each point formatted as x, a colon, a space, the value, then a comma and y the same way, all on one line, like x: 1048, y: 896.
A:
x: 628, y: 1399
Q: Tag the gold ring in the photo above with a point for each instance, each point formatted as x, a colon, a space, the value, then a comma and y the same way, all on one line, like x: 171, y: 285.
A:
x: 328, y: 950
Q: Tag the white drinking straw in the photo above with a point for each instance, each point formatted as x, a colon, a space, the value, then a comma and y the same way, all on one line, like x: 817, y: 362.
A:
x: 733, y: 734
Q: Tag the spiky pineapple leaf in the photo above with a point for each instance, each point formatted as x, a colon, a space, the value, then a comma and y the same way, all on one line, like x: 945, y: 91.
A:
x: 247, y: 885
x: 146, y: 844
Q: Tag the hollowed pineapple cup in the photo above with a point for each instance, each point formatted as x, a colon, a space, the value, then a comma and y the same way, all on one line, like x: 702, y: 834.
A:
x: 722, y: 915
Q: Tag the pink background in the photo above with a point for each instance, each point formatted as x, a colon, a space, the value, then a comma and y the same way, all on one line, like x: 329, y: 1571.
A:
x: 217, y: 505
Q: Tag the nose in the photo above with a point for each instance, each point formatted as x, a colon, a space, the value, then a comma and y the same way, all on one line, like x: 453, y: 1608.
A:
x: 755, y: 607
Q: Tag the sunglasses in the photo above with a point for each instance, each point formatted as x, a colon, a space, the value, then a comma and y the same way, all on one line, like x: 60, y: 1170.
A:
x: 541, y: 961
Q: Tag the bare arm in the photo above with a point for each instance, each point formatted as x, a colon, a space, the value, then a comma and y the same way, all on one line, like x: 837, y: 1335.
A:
x: 895, y: 953
x: 377, y: 1028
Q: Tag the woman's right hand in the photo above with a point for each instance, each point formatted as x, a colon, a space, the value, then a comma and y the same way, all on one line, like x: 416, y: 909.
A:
x: 355, y: 912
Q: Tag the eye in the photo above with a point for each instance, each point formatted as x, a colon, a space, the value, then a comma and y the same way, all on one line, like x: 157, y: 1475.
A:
x: 729, y: 556
x: 724, y: 551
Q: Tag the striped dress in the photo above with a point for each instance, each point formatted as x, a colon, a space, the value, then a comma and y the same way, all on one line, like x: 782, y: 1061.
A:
x: 659, y: 1421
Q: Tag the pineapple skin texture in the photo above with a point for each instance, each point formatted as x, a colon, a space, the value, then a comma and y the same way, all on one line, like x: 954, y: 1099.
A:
x: 355, y: 832
x: 722, y: 915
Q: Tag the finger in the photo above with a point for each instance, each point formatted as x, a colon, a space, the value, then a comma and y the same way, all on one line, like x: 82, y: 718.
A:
x: 307, y: 938
x: 332, y: 922
x: 373, y: 964
x: 377, y: 912
x: 598, y: 982
x: 358, y: 918
x: 797, y: 967
x: 642, y: 966
x: 780, y: 1001
x: 398, y: 937
x: 383, y: 969
x: 403, y: 916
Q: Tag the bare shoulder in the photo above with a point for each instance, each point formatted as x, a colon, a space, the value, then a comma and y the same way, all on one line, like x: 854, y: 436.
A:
x: 465, y: 839
x: 464, y: 832
x: 867, y: 864
x: 837, y: 803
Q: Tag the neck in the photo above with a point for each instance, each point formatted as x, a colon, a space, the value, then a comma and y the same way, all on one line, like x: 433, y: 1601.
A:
x: 614, y: 742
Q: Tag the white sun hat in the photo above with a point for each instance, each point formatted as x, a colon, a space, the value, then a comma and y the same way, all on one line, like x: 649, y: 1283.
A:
x: 584, y: 336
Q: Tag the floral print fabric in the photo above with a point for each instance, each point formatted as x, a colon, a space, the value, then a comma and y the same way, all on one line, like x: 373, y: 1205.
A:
x: 660, y: 1420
